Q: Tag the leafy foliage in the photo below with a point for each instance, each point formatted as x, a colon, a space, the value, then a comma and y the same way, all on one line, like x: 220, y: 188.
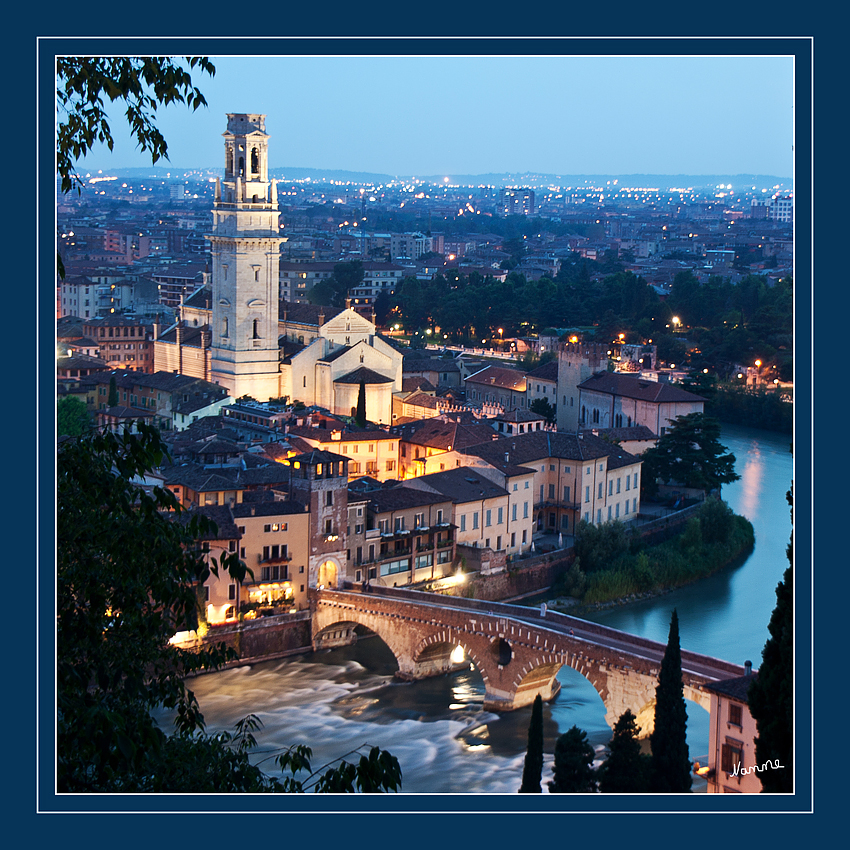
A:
x: 573, y: 768
x: 627, y: 769
x: 532, y: 770
x: 689, y: 454
x: 72, y: 417
x: 542, y: 407
x: 599, y: 546
x: 671, y: 766
x: 118, y: 604
x: 771, y: 695
x: 85, y: 83
x: 129, y: 565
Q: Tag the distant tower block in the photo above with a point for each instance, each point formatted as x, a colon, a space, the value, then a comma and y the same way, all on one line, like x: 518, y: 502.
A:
x: 576, y: 363
x: 245, y: 247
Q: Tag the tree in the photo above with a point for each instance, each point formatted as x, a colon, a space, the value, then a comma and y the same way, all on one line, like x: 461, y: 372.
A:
x: 771, y: 695
x: 542, y: 407
x: 626, y: 770
x: 72, y: 417
x: 671, y: 764
x: 143, y: 84
x: 691, y: 455
x: 112, y: 397
x: 598, y: 546
x: 129, y: 568
x: 573, y: 768
x: 360, y: 415
x: 532, y: 770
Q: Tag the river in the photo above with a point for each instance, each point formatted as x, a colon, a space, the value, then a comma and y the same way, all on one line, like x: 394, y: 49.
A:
x: 444, y: 740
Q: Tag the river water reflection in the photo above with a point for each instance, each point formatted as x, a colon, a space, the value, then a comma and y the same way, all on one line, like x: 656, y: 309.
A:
x: 437, y: 728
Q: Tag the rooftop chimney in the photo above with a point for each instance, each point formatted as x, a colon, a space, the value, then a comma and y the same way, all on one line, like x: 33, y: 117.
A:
x: 748, y: 668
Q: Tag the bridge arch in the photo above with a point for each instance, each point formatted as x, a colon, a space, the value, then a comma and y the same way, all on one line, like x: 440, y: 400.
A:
x: 517, y: 653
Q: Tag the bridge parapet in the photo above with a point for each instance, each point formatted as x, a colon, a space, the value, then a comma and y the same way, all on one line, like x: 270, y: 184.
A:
x: 517, y: 650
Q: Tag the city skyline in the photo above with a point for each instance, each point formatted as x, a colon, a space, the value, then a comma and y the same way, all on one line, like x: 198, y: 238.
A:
x: 424, y: 116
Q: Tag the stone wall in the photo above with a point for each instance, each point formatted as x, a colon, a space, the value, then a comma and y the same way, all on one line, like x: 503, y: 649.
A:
x: 266, y: 637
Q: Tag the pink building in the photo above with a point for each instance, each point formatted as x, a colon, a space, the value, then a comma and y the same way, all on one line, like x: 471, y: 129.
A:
x: 732, y: 767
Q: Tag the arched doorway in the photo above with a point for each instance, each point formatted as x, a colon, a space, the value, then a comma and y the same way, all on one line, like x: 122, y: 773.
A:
x: 328, y: 572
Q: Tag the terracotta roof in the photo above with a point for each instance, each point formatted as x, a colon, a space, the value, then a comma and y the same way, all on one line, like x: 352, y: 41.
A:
x: 499, y: 376
x: 635, y: 432
x: 402, y: 498
x: 526, y: 449
x: 462, y: 484
x: 736, y: 688
x: 306, y: 314
x: 614, y: 383
x: 441, y: 432
x: 546, y: 372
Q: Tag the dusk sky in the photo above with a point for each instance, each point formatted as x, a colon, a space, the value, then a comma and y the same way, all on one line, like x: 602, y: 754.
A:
x: 406, y: 115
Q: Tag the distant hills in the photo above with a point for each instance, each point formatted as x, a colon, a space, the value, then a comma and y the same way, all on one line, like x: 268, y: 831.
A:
x: 534, y: 180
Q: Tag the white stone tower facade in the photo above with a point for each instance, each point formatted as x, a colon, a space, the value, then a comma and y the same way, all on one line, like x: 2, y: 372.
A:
x: 245, y: 246
x: 577, y: 362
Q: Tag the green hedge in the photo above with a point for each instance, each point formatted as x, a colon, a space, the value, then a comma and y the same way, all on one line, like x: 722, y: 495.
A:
x: 684, y: 559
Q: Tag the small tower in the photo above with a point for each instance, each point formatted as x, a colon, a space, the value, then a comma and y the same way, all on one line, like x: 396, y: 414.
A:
x: 245, y: 246
x: 577, y: 362
x: 319, y: 479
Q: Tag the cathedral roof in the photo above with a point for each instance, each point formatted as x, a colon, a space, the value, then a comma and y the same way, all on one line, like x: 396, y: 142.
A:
x: 364, y: 374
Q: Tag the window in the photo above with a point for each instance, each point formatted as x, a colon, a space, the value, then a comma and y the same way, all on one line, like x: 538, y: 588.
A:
x: 551, y: 491
x: 735, y: 714
x: 611, y: 488
x: 330, y: 499
x: 231, y: 591
x: 439, y: 517
x: 601, y: 490
x: 399, y: 523
x: 501, y: 515
x: 487, y: 518
x: 731, y: 754
x: 525, y: 510
x: 463, y: 522
x: 475, y: 519
x: 628, y: 483
x: 328, y: 526
x: 618, y: 485
x: 587, y: 494
x: 634, y: 484
x: 419, y: 520
x: 566, y: 494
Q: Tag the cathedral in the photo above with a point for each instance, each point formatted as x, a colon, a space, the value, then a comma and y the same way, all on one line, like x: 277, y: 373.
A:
x: 236, y: 332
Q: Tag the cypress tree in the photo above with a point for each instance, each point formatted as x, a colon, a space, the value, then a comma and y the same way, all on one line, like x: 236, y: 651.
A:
x: 626, y: 770
x: 771, y: 695
x: 360, y: 416
x: 532, y: 770
x: 573, y: 768
x: 112, y: 398
x: 671, y: 764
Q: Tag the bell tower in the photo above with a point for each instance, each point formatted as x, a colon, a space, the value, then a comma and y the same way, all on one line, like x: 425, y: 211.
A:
x: 245, y: 246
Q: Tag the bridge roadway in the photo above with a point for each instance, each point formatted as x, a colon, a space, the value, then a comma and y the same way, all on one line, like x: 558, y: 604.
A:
x: 518, y: 650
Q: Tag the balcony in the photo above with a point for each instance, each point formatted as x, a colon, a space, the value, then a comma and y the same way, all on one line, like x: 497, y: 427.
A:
x: 281, y: 558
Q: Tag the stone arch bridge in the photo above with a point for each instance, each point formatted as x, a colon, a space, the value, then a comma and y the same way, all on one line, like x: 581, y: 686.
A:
x: 517, y: 650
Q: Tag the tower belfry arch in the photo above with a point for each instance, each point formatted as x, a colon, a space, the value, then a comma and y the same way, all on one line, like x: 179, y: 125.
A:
x: 245, y: 246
